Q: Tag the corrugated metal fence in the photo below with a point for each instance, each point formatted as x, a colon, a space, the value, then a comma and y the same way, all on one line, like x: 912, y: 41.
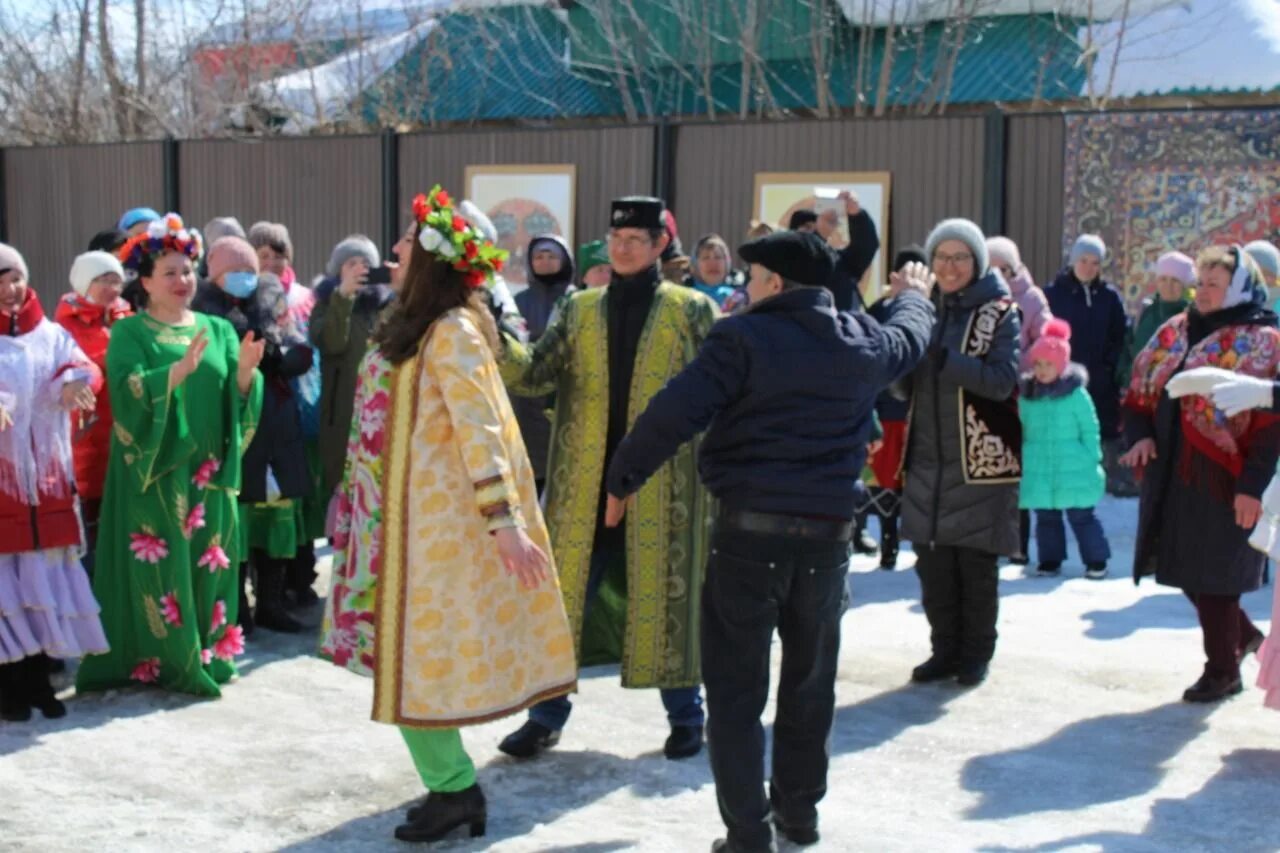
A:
x: 1003, y: 171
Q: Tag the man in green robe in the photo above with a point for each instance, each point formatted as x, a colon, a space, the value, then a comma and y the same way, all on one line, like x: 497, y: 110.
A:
x: 607, y: 353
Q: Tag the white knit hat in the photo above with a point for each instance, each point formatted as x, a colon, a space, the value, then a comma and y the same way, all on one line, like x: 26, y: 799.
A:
x: 89, y: 266
x: 11, y: 258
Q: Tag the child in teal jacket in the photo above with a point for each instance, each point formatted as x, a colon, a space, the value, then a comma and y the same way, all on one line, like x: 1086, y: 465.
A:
x: 1062, y: 455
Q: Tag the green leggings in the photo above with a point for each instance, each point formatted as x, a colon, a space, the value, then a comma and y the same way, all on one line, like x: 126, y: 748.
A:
x: 441, y: 760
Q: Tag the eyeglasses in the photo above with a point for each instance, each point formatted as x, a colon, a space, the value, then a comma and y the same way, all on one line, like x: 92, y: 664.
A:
x: 957, y: 259
x: 632, y: 242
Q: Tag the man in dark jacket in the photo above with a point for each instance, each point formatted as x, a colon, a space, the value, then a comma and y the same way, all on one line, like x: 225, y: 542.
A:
x: 786, y: 392
x: 1095, y: 311
x: 550, y: 277
x: 853, y: 261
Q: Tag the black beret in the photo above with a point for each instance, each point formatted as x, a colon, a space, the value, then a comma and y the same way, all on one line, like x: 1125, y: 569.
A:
x: 799, y: 256
x: 637, y: 211
x: 802, y: 217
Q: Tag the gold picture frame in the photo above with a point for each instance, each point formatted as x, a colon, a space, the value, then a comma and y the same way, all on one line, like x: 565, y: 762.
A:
x: 525, y: 200
x: 777, y: 194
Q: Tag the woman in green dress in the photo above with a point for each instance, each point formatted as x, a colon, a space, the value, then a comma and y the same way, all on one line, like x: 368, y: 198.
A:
x: 188, y: 395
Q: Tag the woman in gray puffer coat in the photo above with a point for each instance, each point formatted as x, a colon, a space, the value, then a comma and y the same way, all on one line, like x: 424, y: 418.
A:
x: 960, y: 496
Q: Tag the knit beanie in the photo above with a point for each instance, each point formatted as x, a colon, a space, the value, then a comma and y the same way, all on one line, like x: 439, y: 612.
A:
x: 136, y: 215
x: 1265, y: 255
x: 273, y: 235
x: 355, y: 246
x: 89, y: 266
x: 1177, y: 265
x: 966, y: 232
x: 1053, y: 345
x: 230, y: 253
x: 11, y: 259
x: 1087, y: 244
x: 907, y: 255
x: 222, y: 226
x: 1004, y: 250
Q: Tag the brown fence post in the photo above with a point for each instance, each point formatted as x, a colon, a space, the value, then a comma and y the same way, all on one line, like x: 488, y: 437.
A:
x: 664, y: 162
x: 172, y: 194
x: 994, y: 137
x: 390, y: 189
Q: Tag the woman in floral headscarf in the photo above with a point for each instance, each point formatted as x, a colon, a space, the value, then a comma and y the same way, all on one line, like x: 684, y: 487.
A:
x: 1203, y: 471
x: 186, y: 393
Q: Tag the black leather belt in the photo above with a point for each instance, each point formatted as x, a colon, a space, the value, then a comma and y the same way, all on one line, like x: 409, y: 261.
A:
x: 786, y: 525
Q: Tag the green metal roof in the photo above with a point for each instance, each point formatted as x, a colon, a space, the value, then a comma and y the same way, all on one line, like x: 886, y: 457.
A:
x: 513, y: 63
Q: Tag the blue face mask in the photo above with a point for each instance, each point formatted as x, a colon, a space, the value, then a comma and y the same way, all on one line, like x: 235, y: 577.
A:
x: 241, y: 285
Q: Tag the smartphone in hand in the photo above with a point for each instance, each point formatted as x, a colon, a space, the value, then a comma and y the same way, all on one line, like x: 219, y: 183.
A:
x: 378, y: 275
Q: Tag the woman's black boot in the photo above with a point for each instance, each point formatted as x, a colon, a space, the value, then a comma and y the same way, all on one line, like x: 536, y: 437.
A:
x: 441, y: 814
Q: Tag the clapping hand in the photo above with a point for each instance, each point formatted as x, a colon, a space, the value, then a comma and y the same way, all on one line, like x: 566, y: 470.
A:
x: 185, y: 366
x: 78, y: 397
x: 251, y: 350
x: 521, y: 557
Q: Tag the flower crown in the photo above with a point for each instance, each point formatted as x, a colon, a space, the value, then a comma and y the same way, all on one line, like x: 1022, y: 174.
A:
x: 448, y: 236
x: 166, y: 234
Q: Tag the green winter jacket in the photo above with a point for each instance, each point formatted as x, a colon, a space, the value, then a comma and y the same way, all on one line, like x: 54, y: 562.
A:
x: 1155, y: 312
x: 1061, y: 444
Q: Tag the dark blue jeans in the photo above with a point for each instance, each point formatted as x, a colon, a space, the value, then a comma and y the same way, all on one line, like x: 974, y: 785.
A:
x: 756, y: 583
x: 1051, y: 536
x: 683, y: 704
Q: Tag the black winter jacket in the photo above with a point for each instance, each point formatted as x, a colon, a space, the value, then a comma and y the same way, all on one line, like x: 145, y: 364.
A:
x: 278, y: 443
x: 1099, y: 326
x: 785, y: 392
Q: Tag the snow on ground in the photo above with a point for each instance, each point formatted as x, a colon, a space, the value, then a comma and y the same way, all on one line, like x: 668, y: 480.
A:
x: 1077, y: 742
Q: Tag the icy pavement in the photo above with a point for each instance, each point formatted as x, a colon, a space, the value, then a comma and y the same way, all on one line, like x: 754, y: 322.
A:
x: 1077, y: 742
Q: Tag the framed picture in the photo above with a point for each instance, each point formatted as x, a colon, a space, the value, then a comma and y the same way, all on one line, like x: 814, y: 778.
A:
x: 779, y: 194
x: 524, y: 201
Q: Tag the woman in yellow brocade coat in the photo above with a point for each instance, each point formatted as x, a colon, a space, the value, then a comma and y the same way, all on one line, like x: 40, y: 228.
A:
x: 470, y: 622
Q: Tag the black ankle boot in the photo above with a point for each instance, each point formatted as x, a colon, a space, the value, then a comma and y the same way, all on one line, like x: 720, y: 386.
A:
x: 889, y: 543
x: 529, y: 740
x: 15, y: 706
x: 972, y: 673
x: 40, y: 691
x: 270, y: 612
x: 935, y: 668
x: 683, y: 742
x: 441, y: 814
x: 302, y: 576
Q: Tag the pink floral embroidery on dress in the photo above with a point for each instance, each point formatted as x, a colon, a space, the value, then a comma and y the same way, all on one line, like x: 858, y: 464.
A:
x: 170, y: 610
x: 219, y: 615
x: 194, y: 521
x: 147, y: 547
x: 231, y: 644
x: 147, y: 671
x: 205, y: 473
x: 214, y: 557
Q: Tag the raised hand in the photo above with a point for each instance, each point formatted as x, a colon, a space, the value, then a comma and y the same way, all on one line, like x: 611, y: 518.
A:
x: 185, y: 366
x: 78, y: 397
x: 521, y: 557
x: 914, y: 276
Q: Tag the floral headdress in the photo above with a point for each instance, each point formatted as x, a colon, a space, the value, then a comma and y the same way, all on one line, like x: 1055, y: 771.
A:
x: 450, y: 237
x: 166, y: 234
